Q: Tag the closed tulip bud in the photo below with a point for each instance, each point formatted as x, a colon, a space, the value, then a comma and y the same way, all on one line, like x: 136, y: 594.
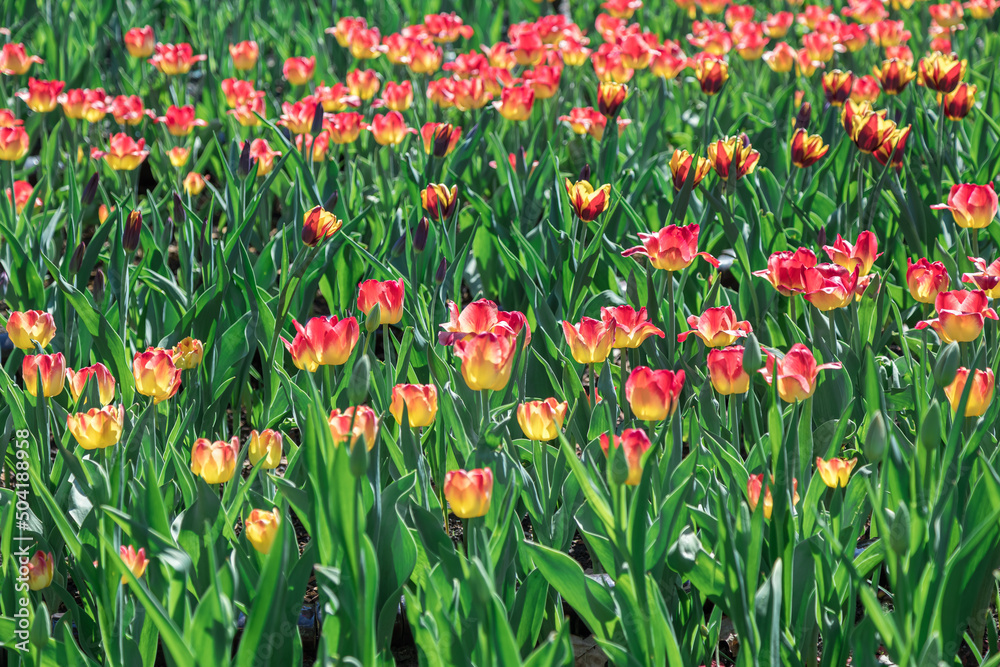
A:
x: 261, y: 529
x: 959, y: 102
x: 899, y: 532
x: 711, y: 73
x: 542, y: 420
x: 90, y: 190
x: 980, y: 395
x: 930, y: 427
x: 373, y: 319
x: 214, y: 461
x: 442, y: 270
x: 438, y: 201
x: 869, y: 129
x: 941, y: 72
x: 30, y: 327
x: 358, y: 385
x: 469, y: 492
x: 97, y: 374
x: 188, y: 354
x: 654, y: 395
x: 4, y: 281
x: 354, y: 423
x: 398, y: 247
x: 420, y: 235
x: 421, y: 401
x: 194, y: 183
x: 837, y: 87
x: 835, y: 472
x: 972, y: 206
x: 132, y: 232
x: 41, y: 568
x: 318, y: 225
x: 797, y: 373
x: 243, y: 167
x: 155, y: 374
x: 97, y: 428
x: 716, y: 327
x: 587, y: 202
x: 803, y: 117
x: 753, y: 361
x: 487, y: 360
x: 135, y: 561
x: 726, y: 370
x: 97, y: 288
x: 50, y: 368
x: 265, y: 446
x: 388, y: 295
x: 946, y: 364
x: 440, y: 139
x: 876, y: 438
x: 630, y: 447
x: 331, y: 202
x: 358, y: 460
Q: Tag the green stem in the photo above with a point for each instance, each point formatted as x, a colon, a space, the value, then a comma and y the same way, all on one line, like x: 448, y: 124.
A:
x: 671, y: 319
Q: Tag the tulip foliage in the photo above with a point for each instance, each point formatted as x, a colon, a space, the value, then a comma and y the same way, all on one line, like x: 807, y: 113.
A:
x: 498, y: 333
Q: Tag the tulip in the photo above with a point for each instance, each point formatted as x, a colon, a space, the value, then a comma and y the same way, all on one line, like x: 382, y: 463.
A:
x: 469, y: 492
x: 777, y: 25
x: 585, y: 120
x: 622, y: 9
x: 319, y: 144
x: 961, y: 315
x: 726, y: 372
x: 830, y: 286
x: 781, y: 59
x: 633, y: 443
x: 214, y: 461
x: 469, y: 94
x: 423, y: 58
x: 244, y: 55
x: 837, y: 87
x: 866, y: 89
x: 869, y: 129
x: 587, y: 202
x: 51, y: 368
x: 261, y: 529
x: 180, y: 121
x: 27, y: 328
x: 263, y: 156
x: 173, y: 59
x: 85, y: 104
x: 155, y: 374
x: 786, y: 270
x: 672, y: 248
x: 297, y: 71
x: 894, y: 76
x: 982, y: 9
x: 318, y: 224
x: 15, y: 61
x: 389, y: 129
x: 980, y: 396
x: 13, y: 143
x: 542, y: 420
x: 97, y: 428
x: 135, y: 561
x: 544, y: 80
x: 717, y: 327
x: 265, y: 446
x: 124, y: 153
x: 515, y: 103
x: 797, y: 373
x: 178, y: 156
x: 941, y: 72
x: 958, y: 103
x: 387, y: 294
x: 972, y: 206
x: 421, y: 401
x: 986, y: 279
x: 41, y: 568
x: 100, y: 374
x: 324, y: 341
x: 194, y: 183
x: 365, y: 43
x: 633, y: 326
x: 591, y: 340
x: 363, y: 83
x: 926, y: 280
x: 140, y: 42
x: 480, y: 317
x: 863, y: 253
x: 438, y: 201
x: 354, y: 423
x: 892, y: 148
x: 487, y: 360
x: 610, y: 98
x: 188, y: 353
x: 41, y: 96
x: 807, y: 149
x: 22, y: 196
x: 395, y: 97
x: 835, y: 472
x: 947, y: 14
x: 680, y: 168
x: 440, y: 139
x: 129, y: 110
x: 754, y: 485
x: 467, y: 65
x: 732, y: 157
x: 653, y: 395
x: 345, y: 28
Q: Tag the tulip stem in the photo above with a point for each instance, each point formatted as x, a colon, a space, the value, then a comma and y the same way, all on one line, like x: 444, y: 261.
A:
x: 671, y: 319
x: 974, y: 233
x: 622, y: 358
x: 593, y: 388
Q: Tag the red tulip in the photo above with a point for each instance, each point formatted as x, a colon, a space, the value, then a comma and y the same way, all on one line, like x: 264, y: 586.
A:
x: 797, y: 372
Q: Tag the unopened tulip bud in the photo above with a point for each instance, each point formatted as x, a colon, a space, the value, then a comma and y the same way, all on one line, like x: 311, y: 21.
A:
x: 132, y: 233
x: 214, y: 461
x: 77, y: 259
x: 803, y: 117
x: 946, y: 365
x: 930, y: 427
x: 752, y: 359
x: 373, y: 319
x: 48, y: 369
x: 265, y: 446
x: 331, y: 201
x: 317, y: 123
x: 442, y: 269
x: 875, y: 439
x: 4, y: 281
x: 90, y: 190
x: 40, y: 570
x: 585, y: 173
x: 469, y: 493
x: 420, y: 235
x: 357, y: 387
x: 180, y: 215
x: 244, y: 166
x: 899, y: 533
x: 398, y: 247
x: 261, y: 529
x: 980, y: 394
x: 619, y: 467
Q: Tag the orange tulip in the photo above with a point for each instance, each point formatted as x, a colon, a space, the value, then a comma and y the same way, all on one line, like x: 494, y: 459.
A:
x: 214, y: 461
x: 178, y: 156
x: 41, y: 569
x: 777, y: 25
x: 835, y: 472
x: 324, y: 341
x: 97, y: 373
x: 972, y: 206
x: 807, y: 149
x: 194, y: 183
x: 421, y: 401
x: 941, y: 72
x: 124, y: 153
x: 387, y: 294
x: 345, y: 28
x: 515, y: 103
x: 173, y: 59
x: 15, y: 61
x: 85, y: 104
x: 672, y: 248
x: 862, y: 254
x: 440, y: 139
x: 318, y: 224
x: 982, y: 9
x: 469, y: 492
x: 732, y: 157
x: 961, y: 315
x: 262, y: 529
x: 797, y: 372
x: 469, y: 94
x: 889, y: 34
x: 366, y: 43
x: 544, y: 80
x: 180, y: 121
x: 22, y: 196
x: 155, y: 374
x: 591, y: 340
x: 653, y: 395
x: 265, y: 446
x: 542, y: 420
x: 726, y: 372
x: 894, y: 76
x: 389, y: 129
x: 830, y: 286
x: 13, y: 143
x: 482, y: 316
x: 42, y: 96
x: 587, y: 202
x: 135, y: 561
x: 298, y: 70
x: 926, y: 280
x: 633, y: 443
x: 129, y: 110
x: 680, y: 168
x: 338, y: 97
x: 781, y: 58
x: 633, y: 326
x: 140, y: 42
x: 980, y: 396
x: 344, y: 128
x: 364, y: 83
x: 51, y: 368
x: 754, y: 487
x: 717, y: 327
x: 423, y: 58
x: 438, y: 201
x: 353, y: 423
x: 244, y: 55
x: 27, y: 328
x: 487, y: 360
x: 298, y: 117
x: 97, y: 428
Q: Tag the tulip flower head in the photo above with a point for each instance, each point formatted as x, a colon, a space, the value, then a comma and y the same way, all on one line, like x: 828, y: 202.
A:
x: 440, y: 139
x: 41, y: 569
x: 755, y: 484
x: 941, y: 72
x: 135, y: 561
x: 925, y: 280
x: 13, y: 143
x: 680, y: 168
x: 831, y: 286
x: 99, y: 375
x: 590, y: 341
x: 807, y: 149
x: 124, y: 153
x: 214, y: 461
x: 387, y: 294
x: 958, y: 103
x: 298, y: 71
x: 986, y: 278
x: 244, y: 55
x: 97, y: 428
x: 174, y: 59
x: 323, y: 341
x: 194, y: 184
x: 653, y: 395
x: 716, y: 327
x: 15, y: 61
x: 837, y: 87
x: 188, y: 353
x: 42, y: 96
x: 355, y: 422
x: 438, y: 201
x: 389, y: 129
x: 726, y: 372
x: 980, y: 395
x: 487, y: 360
x: 835, y: 472
x: 610, y: 98
x: 961, y: 315
x: 869, y: 129
x: 27, y: 328
x: 421, y: 401
x: 587, y: 202
x: 633, y: 326
x: 972, y: 206
x: 542, y: 420
x: 632, y: 443
x: 786, y: 270
x: 318, y: 224
x: 262, y: 528
x: 469, y: 492
x: 672, y: 248
x: 797, y: 373
x: 482, y: 316
x: 50, y: 369
x: 155, y: 374
x: 515, y: 103
x: 265, y: 446
x: 732, y: 158
x: 863, y: 253
x: 140, y: 42
x: 894, y: 75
